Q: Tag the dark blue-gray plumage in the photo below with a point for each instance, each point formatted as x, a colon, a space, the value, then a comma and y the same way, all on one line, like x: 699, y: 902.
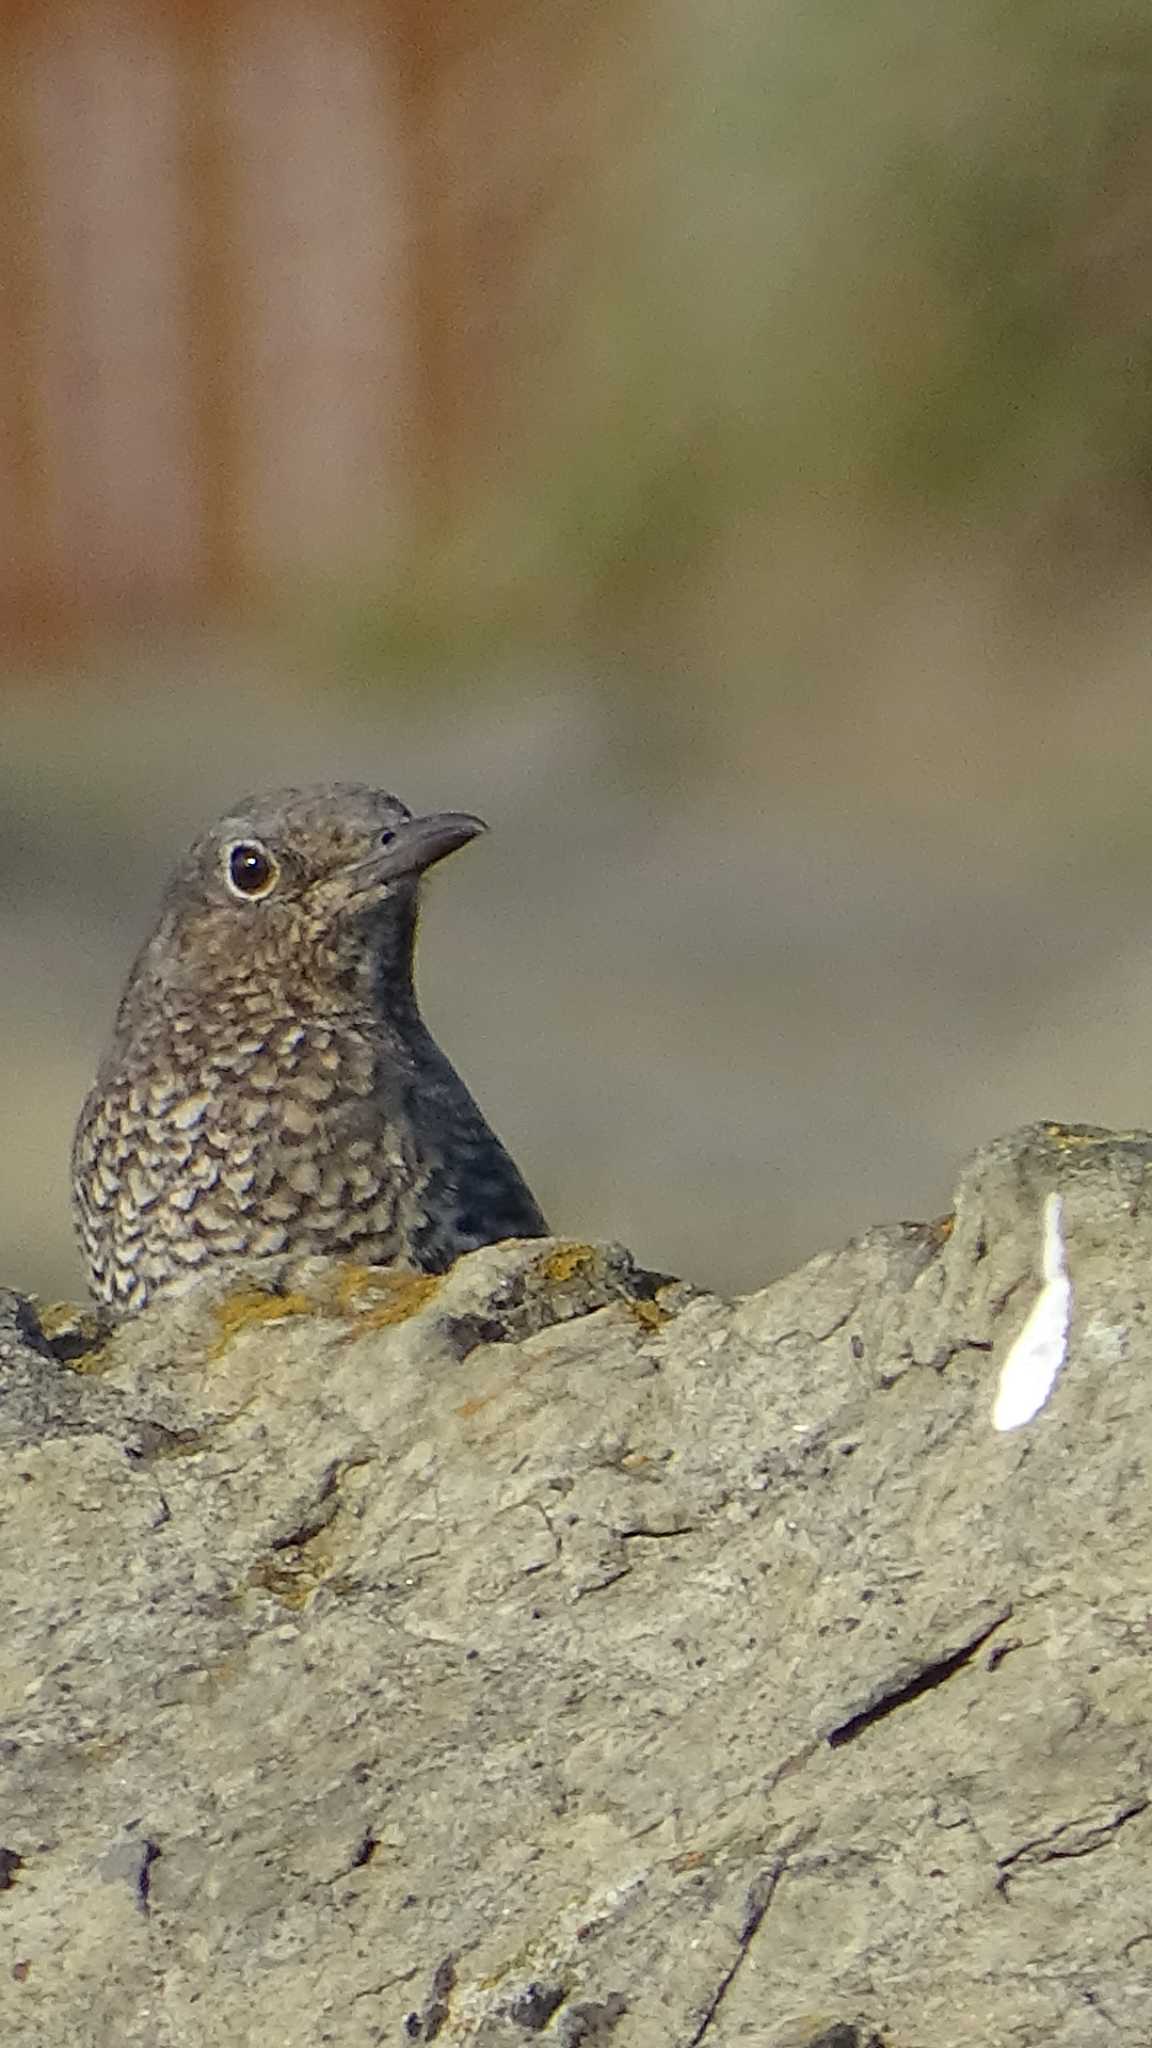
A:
x: 271, y: 1085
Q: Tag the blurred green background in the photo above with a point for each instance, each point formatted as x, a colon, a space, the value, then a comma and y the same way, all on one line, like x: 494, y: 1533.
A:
x: 714, y: 444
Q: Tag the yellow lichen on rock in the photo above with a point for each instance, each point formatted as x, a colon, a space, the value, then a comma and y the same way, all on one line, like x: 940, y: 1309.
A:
x: 378, y: 1296
x: 564, y: 1264
x: 250, y: 1308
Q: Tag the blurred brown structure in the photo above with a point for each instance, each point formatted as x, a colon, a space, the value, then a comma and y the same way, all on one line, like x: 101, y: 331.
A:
x: 205, y: 370
x: 257, y: 263
x: 659, y: 308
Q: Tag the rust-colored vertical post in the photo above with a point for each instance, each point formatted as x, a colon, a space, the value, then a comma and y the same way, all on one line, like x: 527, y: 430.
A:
x: 24, y: 567
x: 412, y: 51
x: 202, y: 27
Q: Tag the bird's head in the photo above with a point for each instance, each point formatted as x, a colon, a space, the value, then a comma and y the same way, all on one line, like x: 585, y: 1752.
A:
x: 331, y: 870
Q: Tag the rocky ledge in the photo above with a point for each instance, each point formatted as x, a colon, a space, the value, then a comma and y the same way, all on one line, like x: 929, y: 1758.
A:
x: 554, y: 1650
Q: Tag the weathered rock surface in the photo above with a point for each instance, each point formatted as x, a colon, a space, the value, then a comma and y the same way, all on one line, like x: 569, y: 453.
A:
x: 550, y: 1651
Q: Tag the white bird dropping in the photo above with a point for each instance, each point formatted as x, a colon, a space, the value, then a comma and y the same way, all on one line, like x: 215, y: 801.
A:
x: 1029, y: 1371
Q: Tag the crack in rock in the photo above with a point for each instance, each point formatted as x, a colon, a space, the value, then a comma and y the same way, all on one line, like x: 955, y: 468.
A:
x: 1068, y: 1840
x: 890, y: 1697
x: 759, y: 1897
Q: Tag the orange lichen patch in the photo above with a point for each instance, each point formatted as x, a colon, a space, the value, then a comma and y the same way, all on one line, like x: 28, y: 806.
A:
x: 566, y: 1263
x: 354, y: 1287
x: 477, y: 1403
x: 649, y: 1314
x: 373, y: 1297
x: 58, y: 1317
x: 289, y: 1583
x: 292, y: 1575
x: 941, y: 1230
x: 248, y: 1308
x: 691, y: 1859
x: 378, y: 1296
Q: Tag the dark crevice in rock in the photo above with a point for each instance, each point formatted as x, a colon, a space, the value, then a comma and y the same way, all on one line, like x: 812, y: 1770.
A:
x: 20, y: 1326
x: 150, y: 1852
x: 591, y: 2021
x: 317, y: 1517
x: 533, y: 2007
x: 1069, y: 1840
x: 386, y: 1984
x: 424, y: 2026
x: 465, y: 1334
x: 325, y: 1507
x: 955, y: 1347
x: 153, y: 1440
x: 81, y: 1339
x: 760, y: 1896
x: 601, y: 1585
x: 925, y: 1680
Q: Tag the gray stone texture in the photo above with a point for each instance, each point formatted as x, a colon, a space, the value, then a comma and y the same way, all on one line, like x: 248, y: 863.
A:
x: 548, y: 1650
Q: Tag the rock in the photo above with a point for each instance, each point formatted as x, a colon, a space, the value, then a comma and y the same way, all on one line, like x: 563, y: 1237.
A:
x: 550, y: 1651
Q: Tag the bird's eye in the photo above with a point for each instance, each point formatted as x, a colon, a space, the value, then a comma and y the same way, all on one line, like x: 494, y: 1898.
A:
x: 386, y: 837
x: 251, y: 870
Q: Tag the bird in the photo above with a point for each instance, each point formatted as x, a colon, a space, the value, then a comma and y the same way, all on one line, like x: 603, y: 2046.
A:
x: 271, y: 1085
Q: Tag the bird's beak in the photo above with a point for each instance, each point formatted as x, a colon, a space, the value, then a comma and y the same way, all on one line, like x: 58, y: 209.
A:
x: 415, y: 845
